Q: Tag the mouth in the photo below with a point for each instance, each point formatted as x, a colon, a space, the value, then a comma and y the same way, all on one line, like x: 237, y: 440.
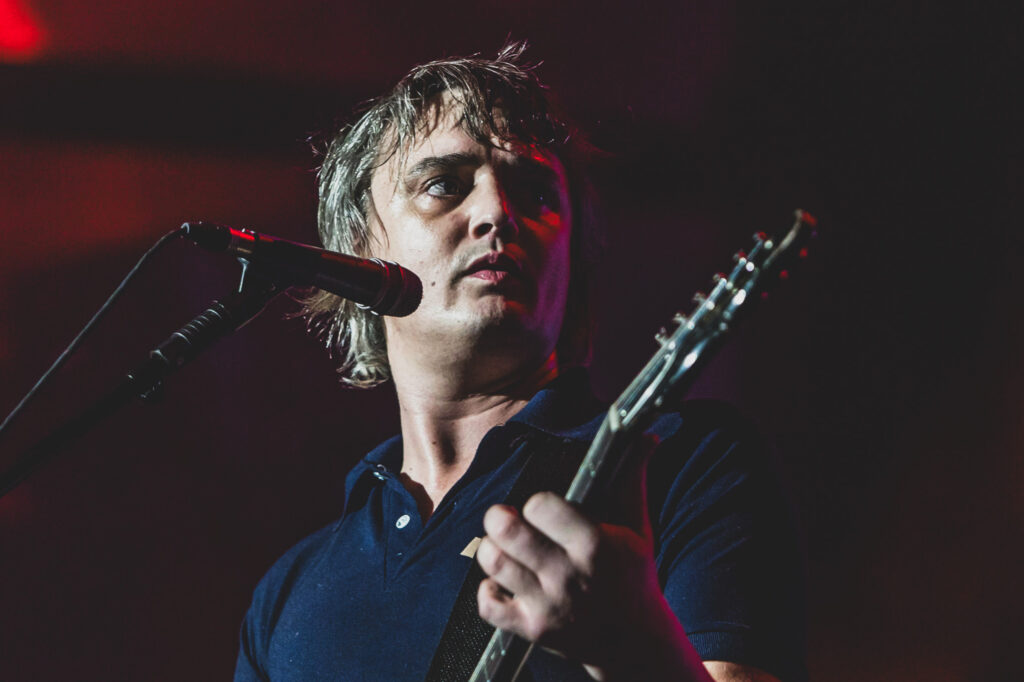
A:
x: 493, y: 266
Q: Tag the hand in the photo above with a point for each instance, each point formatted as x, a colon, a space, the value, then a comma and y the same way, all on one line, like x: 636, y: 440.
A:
x: 586, y: 590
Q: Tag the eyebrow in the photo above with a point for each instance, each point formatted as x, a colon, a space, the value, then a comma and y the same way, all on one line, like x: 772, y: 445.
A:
x: 444, y: 162
x: 533, y: 164
x: 539, y: 167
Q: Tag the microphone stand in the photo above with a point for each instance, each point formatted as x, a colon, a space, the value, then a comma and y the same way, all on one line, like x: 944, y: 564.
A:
x: 219, y: 320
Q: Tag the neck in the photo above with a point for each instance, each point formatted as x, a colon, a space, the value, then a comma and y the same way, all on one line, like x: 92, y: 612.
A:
x: 445, y: 415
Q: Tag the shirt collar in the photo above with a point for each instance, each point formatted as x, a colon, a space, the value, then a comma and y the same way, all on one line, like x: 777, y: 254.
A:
x: 564, y: 408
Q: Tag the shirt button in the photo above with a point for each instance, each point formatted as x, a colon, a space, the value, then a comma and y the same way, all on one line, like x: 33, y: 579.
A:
x: 402, y: 521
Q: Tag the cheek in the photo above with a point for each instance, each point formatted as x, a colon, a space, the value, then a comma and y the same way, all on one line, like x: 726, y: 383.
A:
x: 554, y: 282
x: 563, y: 268
x: 424, y: 250
x: 552, y: 231
x: 406, y: 240
x: 558, y: 247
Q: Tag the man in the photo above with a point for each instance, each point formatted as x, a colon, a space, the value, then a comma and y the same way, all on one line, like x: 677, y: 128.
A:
x: 466, y: 175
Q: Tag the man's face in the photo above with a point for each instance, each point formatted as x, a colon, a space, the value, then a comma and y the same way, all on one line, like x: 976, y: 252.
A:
x: 487, y: 231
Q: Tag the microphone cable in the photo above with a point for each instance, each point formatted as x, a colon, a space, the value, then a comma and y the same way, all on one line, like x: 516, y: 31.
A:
x: 87, y: 329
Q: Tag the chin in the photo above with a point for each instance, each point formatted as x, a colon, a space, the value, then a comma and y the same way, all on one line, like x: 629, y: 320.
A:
x: 503, y: 314
x: 512, y: 328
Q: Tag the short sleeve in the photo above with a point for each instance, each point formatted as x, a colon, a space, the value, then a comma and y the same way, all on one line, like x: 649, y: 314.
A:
x: 268, y: 598
x: 246, y: 668
x: 726, y: 547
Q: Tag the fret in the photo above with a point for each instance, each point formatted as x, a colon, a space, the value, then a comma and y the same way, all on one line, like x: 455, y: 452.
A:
x: 503, y: 659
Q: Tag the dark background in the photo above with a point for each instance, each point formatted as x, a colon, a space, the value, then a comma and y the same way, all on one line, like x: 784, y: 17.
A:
x: 887, y: 375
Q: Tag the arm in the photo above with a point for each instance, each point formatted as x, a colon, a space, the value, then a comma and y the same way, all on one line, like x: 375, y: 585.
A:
x: 723, y: 555
x: 590, y: 592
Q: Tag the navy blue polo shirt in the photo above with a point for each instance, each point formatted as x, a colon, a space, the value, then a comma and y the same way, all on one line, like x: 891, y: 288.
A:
x: 367, y: 597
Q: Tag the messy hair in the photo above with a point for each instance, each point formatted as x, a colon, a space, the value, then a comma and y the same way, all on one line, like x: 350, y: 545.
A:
x: 501, y: 100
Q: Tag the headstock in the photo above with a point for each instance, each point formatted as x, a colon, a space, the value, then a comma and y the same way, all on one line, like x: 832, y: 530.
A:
x: 696, y: 335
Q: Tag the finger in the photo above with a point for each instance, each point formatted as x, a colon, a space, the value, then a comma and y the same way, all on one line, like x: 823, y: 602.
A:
x: 498, y: 607
x: 505, y: 570
x: 519, y: 539
x: 565, y: 525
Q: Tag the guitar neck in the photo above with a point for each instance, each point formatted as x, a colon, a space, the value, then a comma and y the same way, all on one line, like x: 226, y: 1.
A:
x: 664, y: 379
x: 506, y: 653
x: 503, y: 659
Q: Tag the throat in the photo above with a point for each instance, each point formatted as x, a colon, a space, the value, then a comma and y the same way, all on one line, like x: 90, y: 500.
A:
x: 441, y: 431
x: 429, y: 491
x: 425, y: 502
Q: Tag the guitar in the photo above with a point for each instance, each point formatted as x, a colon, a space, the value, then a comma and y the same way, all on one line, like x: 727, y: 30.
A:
x: 663, y: 381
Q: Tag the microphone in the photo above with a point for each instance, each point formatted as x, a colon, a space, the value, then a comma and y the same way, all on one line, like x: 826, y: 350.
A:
x: 383, y: 287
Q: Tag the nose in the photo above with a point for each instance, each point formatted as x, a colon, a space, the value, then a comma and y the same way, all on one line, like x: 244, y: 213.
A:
x: 491, y: 211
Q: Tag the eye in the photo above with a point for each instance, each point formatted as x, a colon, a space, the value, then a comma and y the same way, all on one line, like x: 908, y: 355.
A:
x: 537, y: 195
x: 443, y: 186
x: 545, y: 195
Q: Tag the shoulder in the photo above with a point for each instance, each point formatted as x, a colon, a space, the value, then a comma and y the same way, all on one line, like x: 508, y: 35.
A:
x: 273, y: 589
x: 293, y: 563
x: 726, y: 545
x: 698, y: 420
x: 705, y: 448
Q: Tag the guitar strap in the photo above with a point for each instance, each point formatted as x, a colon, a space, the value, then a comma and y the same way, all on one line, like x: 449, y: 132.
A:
x: 550, y: 466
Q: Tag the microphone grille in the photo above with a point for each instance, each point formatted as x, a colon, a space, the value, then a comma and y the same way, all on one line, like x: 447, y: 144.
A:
x: 208, y: 235
x: 404, y: 291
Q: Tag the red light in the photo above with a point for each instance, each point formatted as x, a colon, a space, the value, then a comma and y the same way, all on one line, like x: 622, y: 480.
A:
x: 783, y: 275
x: 21, y: 35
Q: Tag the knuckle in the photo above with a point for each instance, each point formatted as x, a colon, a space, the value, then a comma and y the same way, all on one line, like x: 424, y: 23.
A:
x: 534, y: 630
x: 539, y: 503
x: 487, y: 607
x: 567, y: 590
x: 563, y: 576
x: 500, y: 523
x: 590, y: 543
x: 498, y: 563
x: 534, y: 625
x: 545, y: 622
x: 580, y: 586
x: 485, y: 554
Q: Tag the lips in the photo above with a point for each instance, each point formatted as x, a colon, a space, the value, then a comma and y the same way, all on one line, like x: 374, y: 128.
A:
x: 493, y: 266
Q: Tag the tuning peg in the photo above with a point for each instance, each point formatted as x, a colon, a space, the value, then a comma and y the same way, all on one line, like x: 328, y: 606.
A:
x: 679, y: 318
x: 760, y: 236
x: 740, y: 255
x: 703, y: 301
x: 722, y: 282
x: 661, y: 337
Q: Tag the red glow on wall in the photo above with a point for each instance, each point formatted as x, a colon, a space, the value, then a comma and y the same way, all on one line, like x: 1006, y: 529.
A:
x: 21, y: 35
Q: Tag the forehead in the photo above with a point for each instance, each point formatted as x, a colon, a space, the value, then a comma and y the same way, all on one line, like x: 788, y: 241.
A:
x: 441, y: 133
